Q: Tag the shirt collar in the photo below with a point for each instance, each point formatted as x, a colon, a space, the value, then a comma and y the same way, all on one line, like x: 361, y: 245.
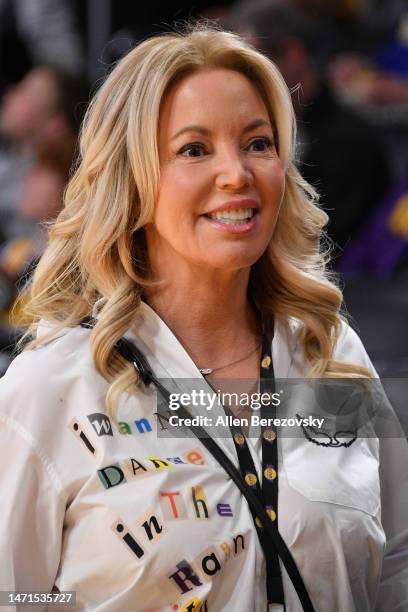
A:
x: 166, y: 353
x: 168, y: 357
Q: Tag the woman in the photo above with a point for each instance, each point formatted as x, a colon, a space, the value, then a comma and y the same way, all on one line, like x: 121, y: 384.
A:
x: 188, y: 230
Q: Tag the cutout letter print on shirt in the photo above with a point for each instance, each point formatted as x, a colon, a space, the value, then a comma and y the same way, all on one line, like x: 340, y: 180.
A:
x: 103, y: 426
x: 101, y: 423
x: 187, y: 576
x: 149, y: 528
x: 79, y: 431
x: 124, y: 534
x: 194, y: 605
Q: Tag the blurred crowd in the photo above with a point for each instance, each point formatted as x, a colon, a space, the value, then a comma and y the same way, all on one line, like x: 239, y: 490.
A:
x: 345, y: 61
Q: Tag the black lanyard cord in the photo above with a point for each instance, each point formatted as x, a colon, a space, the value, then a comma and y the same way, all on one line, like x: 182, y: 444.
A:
x: 132, y: 354
x: 253, y: 501
x: 267, y: 493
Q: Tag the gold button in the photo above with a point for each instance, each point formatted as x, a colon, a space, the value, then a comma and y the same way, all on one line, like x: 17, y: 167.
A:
x: 269, y: 435
x: 258, y: 522
x: 271, y: 513
x: 239, y: 439
x: 251, y: 479
x: 269, y: 473
x: 266, y: 362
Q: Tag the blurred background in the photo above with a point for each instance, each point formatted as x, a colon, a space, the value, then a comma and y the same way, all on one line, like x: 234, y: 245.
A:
x: 346, y: 62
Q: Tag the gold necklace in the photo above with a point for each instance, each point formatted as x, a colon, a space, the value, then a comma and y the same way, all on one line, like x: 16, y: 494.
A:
x: 207, y: 371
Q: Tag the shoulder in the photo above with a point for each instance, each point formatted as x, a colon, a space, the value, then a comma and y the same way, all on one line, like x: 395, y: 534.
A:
x: 39, y: 380
x: 349, y: 347
x: 61, y: 355
x: 43, y: 395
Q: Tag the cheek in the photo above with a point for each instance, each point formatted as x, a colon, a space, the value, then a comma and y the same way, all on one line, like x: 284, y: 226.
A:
x: 188, y: 179
x: 271, y: 184
x: 180, y: 194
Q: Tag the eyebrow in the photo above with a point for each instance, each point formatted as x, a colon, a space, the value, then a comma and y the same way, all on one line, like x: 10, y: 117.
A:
x: 203, y: 130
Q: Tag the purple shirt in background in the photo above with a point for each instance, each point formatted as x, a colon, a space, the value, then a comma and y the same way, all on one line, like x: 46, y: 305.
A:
x: 378, y: 249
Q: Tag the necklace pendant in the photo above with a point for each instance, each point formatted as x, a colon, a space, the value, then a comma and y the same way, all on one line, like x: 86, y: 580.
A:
x: 205, y: 371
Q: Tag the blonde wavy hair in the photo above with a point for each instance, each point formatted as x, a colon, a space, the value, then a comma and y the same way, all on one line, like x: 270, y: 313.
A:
x: 97, y: 259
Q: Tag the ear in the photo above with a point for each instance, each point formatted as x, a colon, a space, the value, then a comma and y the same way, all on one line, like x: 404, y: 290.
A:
x: 56, y: 127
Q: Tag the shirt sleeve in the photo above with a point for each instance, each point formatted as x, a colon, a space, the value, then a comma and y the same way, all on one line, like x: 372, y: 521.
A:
x: 393, y: 590
x: 32, y: 510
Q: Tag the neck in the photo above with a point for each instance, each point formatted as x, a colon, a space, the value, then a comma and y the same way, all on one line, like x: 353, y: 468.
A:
x: 209, y: 313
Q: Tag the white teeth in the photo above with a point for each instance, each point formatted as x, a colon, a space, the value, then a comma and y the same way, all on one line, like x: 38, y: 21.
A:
x: 233, y: 221
x: 236, y: 215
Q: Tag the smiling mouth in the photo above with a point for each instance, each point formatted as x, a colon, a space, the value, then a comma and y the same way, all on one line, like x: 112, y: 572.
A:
x: 233, y: 217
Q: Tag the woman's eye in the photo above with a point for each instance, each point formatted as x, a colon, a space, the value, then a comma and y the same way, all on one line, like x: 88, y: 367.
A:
x: 192, y: 150
x: 261, y: 144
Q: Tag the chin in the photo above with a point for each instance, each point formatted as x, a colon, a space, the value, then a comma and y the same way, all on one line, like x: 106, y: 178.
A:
x: 236, y: 260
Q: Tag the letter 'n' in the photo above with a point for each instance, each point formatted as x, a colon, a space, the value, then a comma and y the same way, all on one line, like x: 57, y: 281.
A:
x: 159, y: 463
x: 143, y: 425
x: 147, y: 526
x: 239, y: 537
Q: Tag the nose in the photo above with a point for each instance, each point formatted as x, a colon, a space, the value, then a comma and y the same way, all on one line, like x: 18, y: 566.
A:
x: 233, y: 172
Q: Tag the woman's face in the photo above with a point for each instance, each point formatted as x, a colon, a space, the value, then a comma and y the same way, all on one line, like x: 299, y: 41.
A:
x: 222, y: 181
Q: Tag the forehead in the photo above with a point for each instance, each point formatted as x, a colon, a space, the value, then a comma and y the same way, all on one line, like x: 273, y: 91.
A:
x: 211, y: 95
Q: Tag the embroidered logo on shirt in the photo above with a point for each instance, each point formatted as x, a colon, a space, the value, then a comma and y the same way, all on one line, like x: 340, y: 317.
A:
x: 322, y: 438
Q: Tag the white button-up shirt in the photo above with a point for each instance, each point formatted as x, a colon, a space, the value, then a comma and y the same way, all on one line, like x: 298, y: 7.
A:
x: 132, y: 521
